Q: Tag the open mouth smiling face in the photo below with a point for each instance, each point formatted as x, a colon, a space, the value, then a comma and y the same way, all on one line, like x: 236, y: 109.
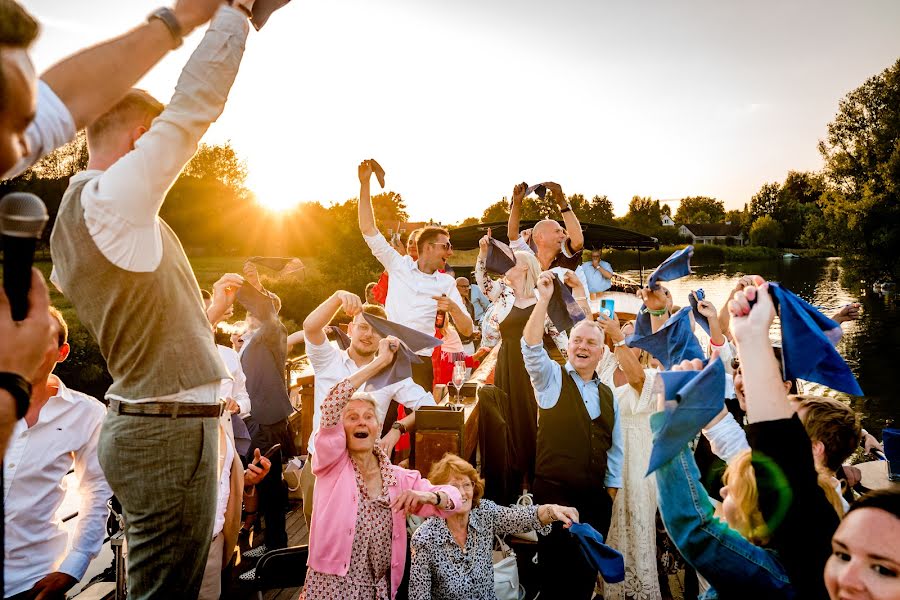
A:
x: 360, y: 424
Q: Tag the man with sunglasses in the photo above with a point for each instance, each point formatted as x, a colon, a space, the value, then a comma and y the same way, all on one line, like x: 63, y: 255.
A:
x: 418, y: 289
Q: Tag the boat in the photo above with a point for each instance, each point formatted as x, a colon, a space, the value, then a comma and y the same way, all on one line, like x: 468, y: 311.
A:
x: 790, y: 256
x: 623, y: 294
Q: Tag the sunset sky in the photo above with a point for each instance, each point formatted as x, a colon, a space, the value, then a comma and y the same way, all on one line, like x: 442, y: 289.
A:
x: 461, y: 100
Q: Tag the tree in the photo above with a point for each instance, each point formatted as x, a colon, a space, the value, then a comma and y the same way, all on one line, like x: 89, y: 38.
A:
x: 498, y: 211
x: 667, y: 210
x: 643, y: 214
x: 765, y: 231
x: 796, y: 204
x: 693, y: 208
x: 765, y: 201
x: 599, y: 210
x: 862, y: 161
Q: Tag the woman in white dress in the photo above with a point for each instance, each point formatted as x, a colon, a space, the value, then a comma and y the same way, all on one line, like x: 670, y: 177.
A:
x: 633, y: 528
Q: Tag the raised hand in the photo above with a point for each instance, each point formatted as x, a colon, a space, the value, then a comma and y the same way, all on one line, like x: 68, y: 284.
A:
x: 350, y: 302
x: 365, y: 172
x: 483, y: 243
x: 706, y: 308
x: 556, y: 190
x: 519, y: 193
x: 545, y: 285
x: 571, y: 280
x: 25, y: 343
x: 849, y: 312
x: 752, y: 323
x: 657, y: 299
x: 387, y: 347
x: 193, y: 13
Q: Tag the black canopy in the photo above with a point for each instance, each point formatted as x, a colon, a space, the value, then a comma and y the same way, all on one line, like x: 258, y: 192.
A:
x: 595, y: 236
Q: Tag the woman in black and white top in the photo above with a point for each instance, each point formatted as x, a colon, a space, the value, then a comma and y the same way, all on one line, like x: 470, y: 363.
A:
x: 452, y: 558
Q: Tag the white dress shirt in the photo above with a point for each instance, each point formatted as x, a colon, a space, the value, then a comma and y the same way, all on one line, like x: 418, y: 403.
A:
x: 410, y: 291
x: 224, y: 489
x: 332, y: 365
x: 121, y: 204
x: 67, y: 432
x: 52, y: 127
x: 236, y: 387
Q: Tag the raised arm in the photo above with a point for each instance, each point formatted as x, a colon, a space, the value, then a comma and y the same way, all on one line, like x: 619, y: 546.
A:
x: 579, y: 292
x: 573, y: 227
x: 492, y: 289
x: 365, y: 212
x: 91, y: 81
x: 515, y: 209
x: 628, y: 362
x: 315, y: 323
x: 533, y: 334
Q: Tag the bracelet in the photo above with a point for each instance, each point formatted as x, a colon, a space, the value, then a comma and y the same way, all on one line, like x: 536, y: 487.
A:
x: 658, y: 313
x: 620, y: 344
x: 437, y: 497
x: 580, y: 297
x: 20, y: 390
x: 567, y: 208
x: 252, y: 491
x: 167, y: 16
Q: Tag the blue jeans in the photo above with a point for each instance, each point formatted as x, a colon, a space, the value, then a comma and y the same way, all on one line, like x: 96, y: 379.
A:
x: 734, y: 566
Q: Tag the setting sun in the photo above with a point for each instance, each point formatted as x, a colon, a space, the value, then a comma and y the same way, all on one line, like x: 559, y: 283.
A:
x: 276, y: 199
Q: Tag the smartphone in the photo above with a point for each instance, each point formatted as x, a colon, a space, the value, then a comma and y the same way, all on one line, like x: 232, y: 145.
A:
x: 270, y: 452
x: 608, y: 307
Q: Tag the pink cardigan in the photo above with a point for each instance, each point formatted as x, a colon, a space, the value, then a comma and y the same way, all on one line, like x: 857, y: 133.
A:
x: 335, y: 501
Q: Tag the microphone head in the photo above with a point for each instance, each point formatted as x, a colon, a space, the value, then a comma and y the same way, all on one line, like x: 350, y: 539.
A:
x: 22, y: 215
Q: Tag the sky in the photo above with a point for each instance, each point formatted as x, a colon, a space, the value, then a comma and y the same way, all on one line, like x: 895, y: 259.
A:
x: 459, y: 101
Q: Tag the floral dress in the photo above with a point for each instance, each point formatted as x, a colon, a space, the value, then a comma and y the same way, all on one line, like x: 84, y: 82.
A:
x: 370, y: 558
x: 443, y: 571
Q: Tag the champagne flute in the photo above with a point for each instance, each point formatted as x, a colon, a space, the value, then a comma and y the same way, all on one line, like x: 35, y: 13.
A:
x: 459, y: 377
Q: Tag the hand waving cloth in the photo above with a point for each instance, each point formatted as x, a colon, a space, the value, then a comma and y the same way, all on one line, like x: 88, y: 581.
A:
x: 700, y: 396
x: 563, y: 310
x: 702, y: 321
x: 608, y: 561
x: 672, y: 343
x: 341, y: 338
x: 806, y: 348
x: 500, y: 257
x: 411, y: 341
x: 676, y: 266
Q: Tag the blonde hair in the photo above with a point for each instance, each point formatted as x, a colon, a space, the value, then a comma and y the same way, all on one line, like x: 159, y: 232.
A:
x: 740, y: 478
x: 533, y: 268
x: 136, y: 104
x: 451, y: 465
x: 363, y: 397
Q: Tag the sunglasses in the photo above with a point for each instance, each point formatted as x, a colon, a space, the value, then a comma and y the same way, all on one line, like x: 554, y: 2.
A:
x: 444, y: 245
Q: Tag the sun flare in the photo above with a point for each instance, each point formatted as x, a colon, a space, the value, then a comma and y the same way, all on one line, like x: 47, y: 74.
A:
x: 274, y: 199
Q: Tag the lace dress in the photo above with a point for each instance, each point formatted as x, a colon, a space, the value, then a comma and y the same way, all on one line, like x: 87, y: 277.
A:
x: 632, y: 530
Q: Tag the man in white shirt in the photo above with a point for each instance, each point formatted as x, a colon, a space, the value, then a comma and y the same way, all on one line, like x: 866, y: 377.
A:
x: 417, y: 290
x: 332, y: 365
x: 60, y: 430
x: 38, y: 116
x: 125, y: 273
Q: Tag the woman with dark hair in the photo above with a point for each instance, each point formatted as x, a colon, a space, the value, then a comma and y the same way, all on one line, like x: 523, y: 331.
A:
x: 865, y: 559
x: 452, y: 557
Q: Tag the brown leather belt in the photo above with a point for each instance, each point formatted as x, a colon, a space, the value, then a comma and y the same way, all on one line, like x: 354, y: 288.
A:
x: 172, y: 410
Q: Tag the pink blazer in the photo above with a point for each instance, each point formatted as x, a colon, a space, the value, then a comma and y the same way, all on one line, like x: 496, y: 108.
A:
x: 335, y: 503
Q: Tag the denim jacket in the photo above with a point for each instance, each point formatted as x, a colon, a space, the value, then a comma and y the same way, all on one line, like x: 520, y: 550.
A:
x: 734, y: 567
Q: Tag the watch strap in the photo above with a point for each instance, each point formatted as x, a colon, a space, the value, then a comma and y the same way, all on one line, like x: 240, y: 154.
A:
x: 167, y: 16
x: 400, y: 426
x: 566, y: 209
x: 20, y: 389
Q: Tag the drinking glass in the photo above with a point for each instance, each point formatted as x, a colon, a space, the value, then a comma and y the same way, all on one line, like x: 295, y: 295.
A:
x: 459, y: 377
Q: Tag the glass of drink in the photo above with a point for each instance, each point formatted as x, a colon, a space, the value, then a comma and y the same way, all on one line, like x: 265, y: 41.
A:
x: 459, y: 377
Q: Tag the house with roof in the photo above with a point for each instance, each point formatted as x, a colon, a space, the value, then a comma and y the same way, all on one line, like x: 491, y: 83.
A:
x: 666, y: 220
x: 713, y: 233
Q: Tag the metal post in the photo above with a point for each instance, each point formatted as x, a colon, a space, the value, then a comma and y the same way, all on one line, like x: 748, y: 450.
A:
x: 641, y: 266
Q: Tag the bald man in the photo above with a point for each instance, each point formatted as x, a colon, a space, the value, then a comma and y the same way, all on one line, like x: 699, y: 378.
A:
x: 553, y: 245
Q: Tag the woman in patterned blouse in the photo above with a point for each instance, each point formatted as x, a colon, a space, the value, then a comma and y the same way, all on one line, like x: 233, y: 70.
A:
x: 452, y: 557
x: 357, y: 540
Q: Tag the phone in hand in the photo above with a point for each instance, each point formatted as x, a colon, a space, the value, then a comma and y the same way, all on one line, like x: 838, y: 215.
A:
x: 271, y: 451
x: 608, y: 307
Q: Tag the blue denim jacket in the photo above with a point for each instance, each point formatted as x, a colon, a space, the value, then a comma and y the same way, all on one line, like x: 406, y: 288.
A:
x: 734, y: 567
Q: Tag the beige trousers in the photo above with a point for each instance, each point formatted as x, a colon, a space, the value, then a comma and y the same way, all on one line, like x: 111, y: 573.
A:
x: 211, y: 588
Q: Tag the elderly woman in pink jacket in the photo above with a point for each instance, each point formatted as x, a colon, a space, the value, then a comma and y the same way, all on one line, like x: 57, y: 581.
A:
x: 357, y: 540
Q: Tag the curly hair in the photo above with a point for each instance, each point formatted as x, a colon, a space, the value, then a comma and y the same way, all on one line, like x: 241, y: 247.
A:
x: 450, y: 466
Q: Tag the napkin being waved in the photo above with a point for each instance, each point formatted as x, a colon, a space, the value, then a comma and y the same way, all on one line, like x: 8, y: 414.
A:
x: 411, y: 341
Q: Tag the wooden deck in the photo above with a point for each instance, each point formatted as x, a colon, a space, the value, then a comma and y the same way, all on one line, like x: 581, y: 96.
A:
x: 233, y: 589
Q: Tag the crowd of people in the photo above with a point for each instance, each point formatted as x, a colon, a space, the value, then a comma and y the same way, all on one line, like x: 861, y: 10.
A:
x: 190, y: 440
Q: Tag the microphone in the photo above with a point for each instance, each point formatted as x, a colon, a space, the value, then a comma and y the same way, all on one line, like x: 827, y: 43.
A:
x: 22, y: 220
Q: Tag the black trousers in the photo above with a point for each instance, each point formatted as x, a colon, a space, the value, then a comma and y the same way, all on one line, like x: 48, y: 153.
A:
x: 563, y: 570
x: 272, y: 493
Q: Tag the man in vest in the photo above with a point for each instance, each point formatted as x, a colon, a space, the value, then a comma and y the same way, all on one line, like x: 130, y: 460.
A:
x: 579, y: 445
x: 126, y: 274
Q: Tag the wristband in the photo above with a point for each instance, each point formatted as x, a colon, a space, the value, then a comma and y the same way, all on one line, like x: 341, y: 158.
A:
x: 712, y: 343
x: 658, y: 313
x: 437, y: 498
x: 620, y: 343
x: 20, y: 389
x: 167, y: 16
x: 565, y: 209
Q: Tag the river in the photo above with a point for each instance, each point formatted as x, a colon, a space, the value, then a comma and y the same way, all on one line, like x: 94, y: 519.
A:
x: 870, y: 345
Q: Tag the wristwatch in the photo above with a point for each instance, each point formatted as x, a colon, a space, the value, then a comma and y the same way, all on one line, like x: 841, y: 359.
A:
x: 400, y: 426
x: 167, y: 16
x: 620, y: 343
x: 20, y: 389
x: 567, y: 208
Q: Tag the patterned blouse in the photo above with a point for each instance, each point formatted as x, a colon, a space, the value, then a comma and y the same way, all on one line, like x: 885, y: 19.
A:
x: 370, y: 557
x: 502, y: 298
x: 443, y: 571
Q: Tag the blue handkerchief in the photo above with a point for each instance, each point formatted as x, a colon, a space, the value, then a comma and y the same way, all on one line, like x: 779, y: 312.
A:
x: 676, y: 266
x: 673, y: 343
x: 342, y: 339
x: 807, y: 351
x: 411, y: 341
x: 607, y: 560
x: 539, y: 190
x: 700, y: 319
x: 563, y: 310
x: 500, y: 257
x: 700, y: 396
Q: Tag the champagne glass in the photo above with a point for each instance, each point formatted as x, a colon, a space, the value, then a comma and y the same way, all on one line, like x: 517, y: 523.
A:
x: 459, y: 376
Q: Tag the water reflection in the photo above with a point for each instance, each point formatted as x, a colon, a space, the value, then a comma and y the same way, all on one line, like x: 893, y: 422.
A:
x: 869, y: 345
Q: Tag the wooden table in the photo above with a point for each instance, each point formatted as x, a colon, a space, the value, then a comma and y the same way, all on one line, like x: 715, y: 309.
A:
x: 875, y: 475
